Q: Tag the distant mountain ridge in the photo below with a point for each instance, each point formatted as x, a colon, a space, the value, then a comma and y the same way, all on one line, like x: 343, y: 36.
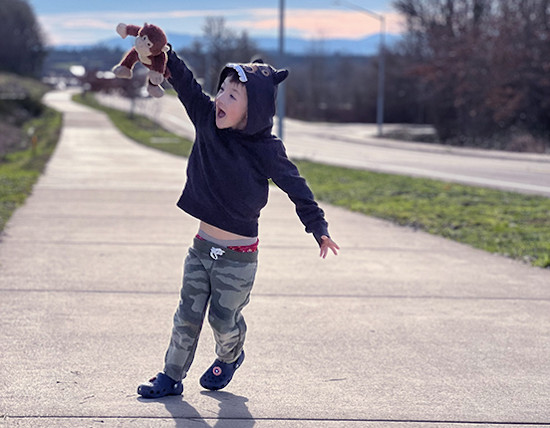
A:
x: 365, y: 46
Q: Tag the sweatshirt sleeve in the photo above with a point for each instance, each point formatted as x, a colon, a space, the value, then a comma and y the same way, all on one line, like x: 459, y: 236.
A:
x: 287, y: 177
x: 190, y: 93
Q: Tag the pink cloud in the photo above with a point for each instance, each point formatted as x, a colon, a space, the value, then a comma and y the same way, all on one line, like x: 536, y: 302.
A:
x: 323, y: 23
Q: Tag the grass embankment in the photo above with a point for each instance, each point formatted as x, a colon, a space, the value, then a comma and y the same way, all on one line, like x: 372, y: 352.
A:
x: 36, y: 135
x: 507, y: 223
x: 500, y: 222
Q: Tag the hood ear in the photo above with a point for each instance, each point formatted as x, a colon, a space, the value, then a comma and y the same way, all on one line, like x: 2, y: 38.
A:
x: 280, y: 75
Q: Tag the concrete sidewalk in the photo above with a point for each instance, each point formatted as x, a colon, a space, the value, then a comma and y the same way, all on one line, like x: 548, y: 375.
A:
x: 402, y: 329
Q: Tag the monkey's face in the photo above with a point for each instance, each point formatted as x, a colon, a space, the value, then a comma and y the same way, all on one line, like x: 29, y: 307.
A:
x: 143, y: 45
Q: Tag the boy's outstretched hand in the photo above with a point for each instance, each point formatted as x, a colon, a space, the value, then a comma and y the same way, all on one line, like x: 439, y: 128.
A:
x: 326, y: 244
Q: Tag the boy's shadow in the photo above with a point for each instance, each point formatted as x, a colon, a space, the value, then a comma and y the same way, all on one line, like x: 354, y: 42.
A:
x: 185, y: 415
x: 233, y: 412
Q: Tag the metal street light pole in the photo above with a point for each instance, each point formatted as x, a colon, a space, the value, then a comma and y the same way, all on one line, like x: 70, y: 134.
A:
x: 381, y: 60
x: 281, y: 88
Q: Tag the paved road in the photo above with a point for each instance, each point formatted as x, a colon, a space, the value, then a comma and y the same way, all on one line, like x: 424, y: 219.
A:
x: 402, y: 329
x: 354, y: 145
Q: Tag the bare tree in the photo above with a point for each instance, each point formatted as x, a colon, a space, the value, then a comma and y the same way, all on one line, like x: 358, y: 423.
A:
x: 484, y: 66
x: 223, y: 45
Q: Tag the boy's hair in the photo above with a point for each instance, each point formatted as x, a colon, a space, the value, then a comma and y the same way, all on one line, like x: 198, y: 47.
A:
x: 233, y: 76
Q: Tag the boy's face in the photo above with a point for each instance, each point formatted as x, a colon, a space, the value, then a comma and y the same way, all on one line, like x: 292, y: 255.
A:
x: 231, y: 105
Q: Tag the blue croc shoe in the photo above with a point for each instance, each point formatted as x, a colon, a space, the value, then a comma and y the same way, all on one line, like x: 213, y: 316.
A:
x: 220, y: 374
x: 160, y: 386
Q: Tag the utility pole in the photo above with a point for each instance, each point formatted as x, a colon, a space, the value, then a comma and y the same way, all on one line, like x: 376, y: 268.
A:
x: 281, y: 88
x: 381, y: 60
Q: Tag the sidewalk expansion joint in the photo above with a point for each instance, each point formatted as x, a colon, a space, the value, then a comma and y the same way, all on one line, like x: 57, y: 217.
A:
x: 290, y: 295
x: 101, y: 419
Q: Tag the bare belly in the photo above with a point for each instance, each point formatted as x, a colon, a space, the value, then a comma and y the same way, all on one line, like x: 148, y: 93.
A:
x: 218, y: 233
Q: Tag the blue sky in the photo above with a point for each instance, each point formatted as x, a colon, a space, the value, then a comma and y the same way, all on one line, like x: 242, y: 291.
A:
x: 75, y: 22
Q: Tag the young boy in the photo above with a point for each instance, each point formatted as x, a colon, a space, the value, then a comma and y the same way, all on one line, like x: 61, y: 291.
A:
x: 233, y: 156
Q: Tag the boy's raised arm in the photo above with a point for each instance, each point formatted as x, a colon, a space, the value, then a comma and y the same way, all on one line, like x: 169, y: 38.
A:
x: 190, y: 93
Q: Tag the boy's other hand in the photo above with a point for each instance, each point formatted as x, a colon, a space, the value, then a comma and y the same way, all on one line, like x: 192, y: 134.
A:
x: 326, y: 244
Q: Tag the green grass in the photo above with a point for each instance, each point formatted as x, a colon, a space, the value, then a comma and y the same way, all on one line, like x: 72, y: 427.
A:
x: 20, y: 170
x: 506, y: 223
x: 500, y: 222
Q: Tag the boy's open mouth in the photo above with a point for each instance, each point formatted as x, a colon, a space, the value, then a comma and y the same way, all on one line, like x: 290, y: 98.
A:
x: 221, y: 113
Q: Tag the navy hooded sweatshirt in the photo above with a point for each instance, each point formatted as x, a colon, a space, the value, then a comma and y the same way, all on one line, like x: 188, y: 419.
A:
x: 228, y: 170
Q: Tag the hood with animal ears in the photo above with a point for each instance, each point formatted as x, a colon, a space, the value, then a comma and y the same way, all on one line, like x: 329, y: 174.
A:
x: 261, y: 81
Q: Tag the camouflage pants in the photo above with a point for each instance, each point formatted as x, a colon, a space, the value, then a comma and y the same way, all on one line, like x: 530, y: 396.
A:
x: 224, y: 278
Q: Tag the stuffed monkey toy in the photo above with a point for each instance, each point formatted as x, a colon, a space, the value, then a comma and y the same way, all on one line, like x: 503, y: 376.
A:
x: 150, y: 49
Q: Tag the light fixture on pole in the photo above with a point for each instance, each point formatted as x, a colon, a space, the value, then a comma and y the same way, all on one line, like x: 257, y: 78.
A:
x: 381, y: 60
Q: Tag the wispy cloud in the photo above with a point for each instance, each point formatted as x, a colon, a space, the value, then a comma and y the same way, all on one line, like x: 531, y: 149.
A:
x: 91, y: 27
